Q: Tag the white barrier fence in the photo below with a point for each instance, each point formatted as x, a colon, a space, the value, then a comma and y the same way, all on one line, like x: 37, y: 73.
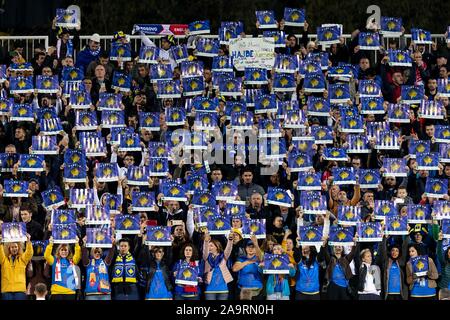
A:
x: 32, y: 42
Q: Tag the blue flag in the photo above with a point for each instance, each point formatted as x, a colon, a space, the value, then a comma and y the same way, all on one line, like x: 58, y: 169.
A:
x: 187, y: 275
x: 202, y: 214
x: 348, y: 215
x: 149, y: 54
x: 72, y: 74
x: 121, y: 81
x: 80, y: 198
x: 31, y: 163
x: 310, y: 235
x: 175, y: 116
x: 387, y: 140
x: 322, y: 134
x: 158, y: 236
x: 149, y: 121
x: 269, y: 128
x: 341, y: 236
x: 191, y: 69
x: 420, y: 265
x: 143, y: 201
x: 329, y: 34
x: 369, y: 232
x: 384, y: 208
x: 222, y: 63
x: 127, y: 223
x: 431, y: 109
x: 255, y: 227
x: 295, y: 119
x: 265, y: 104
x: 276, y: 264
x: 279, y: 37
x: 120, y: 51
x: 99, y: 238
x: 52, y: 198
x: 226, y: 34
x: 444, y: 152
x: 427, y: 161
x: 318, y: 106
x: 294, y: 17
x: 179, y: 53
x: 369, y: 41
x: 369, y: 178
x: 443, y: 87
x: 225, y: 190
x: 14, y: 232
x: 230, y: 87
x: 98, y: 215
x: 313, y: 202
x: 75, y: 157
x: 94, y: 146
x: 3, y: 76
x: 205, y: 120
x: 158, y: 167
x: 391, y: 27
x: 235, y: 208
x: 193, y: 86
x: 352, y: 124
x: 218, y: 225
x: 129, y: 142
x: 255, y: 76
x: 446, y: 228
x: 138, y: 175
x: 6, y: 106
x: 299, y: 161
x: 420, y: 36
x: 335, y: 154
x: 314, y: 82
x: 51, y: 126
x: 203, y: 198
x: 47, y: 84
x: 22, y: 112
x: 442, y: 133
x: 66, y: 216
x: 74, y: 173
x: 412, y: 94
x: 80, y: 100
x: 207, y: 47
x: 339, y: 93
x: 199, y: 27
x: 160, y: 72
x: 266, y: 19
x: 399, y: 58
x: 344, y: 176
x: 67, y: 18
x: 396, y: 225
x: 7, y: 161
x: 279, y: 197
x: 196, y: 182
x: 107, y: 172
x: 39, y: 249
x: 341, y: 72
x: 309, y: 181
x: 418, y: 213
x: 395, y: 167
x: 168, y: 89
x: 205, y: 104
x: 372, y: 105
x: 15, y: 188
x: 242, y: 120
x: 358, y: 143
x: 113, y: 202
x: 44, y: 145
x: 172, y: 190
x: 157, y: 149
x: 86, y: 120
x: 369, y: 88
x: 286, y: 63
x: 113, y: 118
x: 64, y: 233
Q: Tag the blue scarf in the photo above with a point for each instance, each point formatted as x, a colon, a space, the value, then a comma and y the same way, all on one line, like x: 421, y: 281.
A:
x: 214, y: 262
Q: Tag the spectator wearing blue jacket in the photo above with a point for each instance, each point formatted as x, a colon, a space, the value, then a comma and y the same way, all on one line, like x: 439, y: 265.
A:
x: 90, y: 53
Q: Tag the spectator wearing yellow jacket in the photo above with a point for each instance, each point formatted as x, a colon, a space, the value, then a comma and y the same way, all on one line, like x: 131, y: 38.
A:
x: 65, y: 278
x: 13, y: 265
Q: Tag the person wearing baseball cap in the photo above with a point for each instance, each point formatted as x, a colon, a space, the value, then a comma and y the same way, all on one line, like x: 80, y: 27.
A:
x: 164, y: 54
x: 90, y: 53
x: 249, y: 272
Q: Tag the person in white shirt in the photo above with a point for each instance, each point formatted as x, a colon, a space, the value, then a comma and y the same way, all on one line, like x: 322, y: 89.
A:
x: 369, y: 286
x: 40, y: 290
x: 165, y: 55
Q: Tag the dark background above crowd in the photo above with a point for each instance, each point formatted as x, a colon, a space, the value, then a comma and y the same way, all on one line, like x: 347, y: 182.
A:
x: 34, y: 17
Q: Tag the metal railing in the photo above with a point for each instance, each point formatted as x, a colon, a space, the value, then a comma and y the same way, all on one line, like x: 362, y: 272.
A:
x: 31, y: 42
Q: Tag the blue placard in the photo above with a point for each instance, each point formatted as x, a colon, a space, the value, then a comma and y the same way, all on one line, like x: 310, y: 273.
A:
x: 294, y: 17
x: 391, y: 27
x: 310, y: 235
x: 341, y: 236
x: 120, y: 51
x: 158, y: 236
x: 266, y: 19
x: 64, y: 233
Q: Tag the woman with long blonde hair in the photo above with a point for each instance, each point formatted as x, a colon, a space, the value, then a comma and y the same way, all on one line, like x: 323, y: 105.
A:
x: 65, y: 279
x: 13, y: 261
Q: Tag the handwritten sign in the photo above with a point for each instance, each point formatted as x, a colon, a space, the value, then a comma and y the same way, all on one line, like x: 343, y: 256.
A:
x: 252, y: 52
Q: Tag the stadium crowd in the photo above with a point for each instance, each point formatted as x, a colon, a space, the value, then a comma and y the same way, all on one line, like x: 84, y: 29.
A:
x: 229, y: 265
